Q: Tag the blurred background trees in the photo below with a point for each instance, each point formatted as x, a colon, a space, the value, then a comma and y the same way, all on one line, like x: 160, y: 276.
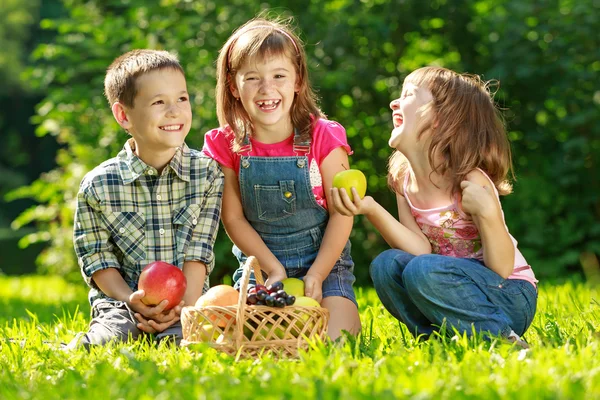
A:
x: 55, y: 122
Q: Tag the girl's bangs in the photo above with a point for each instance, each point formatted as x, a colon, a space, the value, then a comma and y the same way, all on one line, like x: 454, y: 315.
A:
x: 261, y: 46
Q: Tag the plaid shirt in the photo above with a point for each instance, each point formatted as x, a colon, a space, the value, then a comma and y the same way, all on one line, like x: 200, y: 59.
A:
x: 127, y: 216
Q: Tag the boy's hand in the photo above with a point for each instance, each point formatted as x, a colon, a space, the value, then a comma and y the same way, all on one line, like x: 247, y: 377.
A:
x: 152, y: 326
x: 313, y: 286
x: 153, y: 318
x: 342, y: 203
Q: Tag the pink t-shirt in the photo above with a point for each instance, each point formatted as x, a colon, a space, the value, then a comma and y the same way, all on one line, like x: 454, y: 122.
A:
x: 453, y: 233
x: 326, y: 136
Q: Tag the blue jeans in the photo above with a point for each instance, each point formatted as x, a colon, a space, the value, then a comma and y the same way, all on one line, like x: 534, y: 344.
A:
x: 424, y: 291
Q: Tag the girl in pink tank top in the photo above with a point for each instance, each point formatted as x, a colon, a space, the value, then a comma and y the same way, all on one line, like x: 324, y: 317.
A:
x: 453, y: 259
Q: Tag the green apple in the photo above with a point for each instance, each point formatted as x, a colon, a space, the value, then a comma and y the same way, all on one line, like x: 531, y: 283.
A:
x: 293, y: 286
x: 351, y: 178
x: 207, y: 333
x: 262, y: 333
x: 305, y: 301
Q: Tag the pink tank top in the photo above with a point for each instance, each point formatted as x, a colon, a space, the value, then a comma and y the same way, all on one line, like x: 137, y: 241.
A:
x: 453, y: 233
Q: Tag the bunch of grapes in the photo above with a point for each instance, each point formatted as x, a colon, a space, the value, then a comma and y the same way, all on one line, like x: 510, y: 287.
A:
x: 272, y: 296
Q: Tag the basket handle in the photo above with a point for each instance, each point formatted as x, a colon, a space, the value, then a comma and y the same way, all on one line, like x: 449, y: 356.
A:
x: 249, y: 266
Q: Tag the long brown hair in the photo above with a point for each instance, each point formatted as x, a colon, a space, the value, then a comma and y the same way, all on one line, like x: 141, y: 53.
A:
x: 466, y: 130
x: 263, y: 37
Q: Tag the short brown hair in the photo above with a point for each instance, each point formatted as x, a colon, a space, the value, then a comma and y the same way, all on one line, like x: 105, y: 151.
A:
x: 122, y: 74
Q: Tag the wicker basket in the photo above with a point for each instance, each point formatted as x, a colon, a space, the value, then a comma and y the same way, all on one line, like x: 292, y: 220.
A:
x: 249, y: 330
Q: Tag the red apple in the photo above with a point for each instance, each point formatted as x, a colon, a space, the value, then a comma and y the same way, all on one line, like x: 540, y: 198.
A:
x: 162, y: 281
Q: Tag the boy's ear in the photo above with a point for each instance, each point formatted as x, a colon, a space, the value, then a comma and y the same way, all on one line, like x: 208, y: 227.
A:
x: 120, y: 115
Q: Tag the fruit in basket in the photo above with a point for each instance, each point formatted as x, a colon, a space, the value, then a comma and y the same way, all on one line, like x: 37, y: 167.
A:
x: 207, y: 333
x: 272, y: 296
x: 220, y: 295
x: 278, y: 331
x: 162, y: 281
x: 275, y: 287
x: 224, y: 338
x: 305, y: 301
x: 302, y: 319
x: 264, y: 332
x: 293, y: 286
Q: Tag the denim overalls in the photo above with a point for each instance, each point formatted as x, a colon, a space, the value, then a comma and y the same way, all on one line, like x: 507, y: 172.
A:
x: 279, y: 203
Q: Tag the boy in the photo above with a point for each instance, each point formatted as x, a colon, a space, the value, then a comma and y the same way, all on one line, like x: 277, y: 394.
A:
x: 156, y: 200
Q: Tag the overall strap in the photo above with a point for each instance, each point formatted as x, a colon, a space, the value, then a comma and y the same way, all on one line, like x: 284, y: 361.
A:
x: 300, y: 146
x: 246, y: 146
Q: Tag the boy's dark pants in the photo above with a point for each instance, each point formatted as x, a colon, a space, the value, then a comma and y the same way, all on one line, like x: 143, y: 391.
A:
x: 115, y: 321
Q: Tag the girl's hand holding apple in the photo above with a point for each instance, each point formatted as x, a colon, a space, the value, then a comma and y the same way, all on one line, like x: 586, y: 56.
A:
x: 345, y: 206
x: 313, y: 286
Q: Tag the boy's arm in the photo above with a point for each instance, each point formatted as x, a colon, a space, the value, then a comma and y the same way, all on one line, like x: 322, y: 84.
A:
x: 92, y: 239
x: 112, y: 284
x: 195, y: 274
x: 199, y: 258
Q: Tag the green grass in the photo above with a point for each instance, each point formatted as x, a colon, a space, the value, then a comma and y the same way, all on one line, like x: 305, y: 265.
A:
x: 384, y: 363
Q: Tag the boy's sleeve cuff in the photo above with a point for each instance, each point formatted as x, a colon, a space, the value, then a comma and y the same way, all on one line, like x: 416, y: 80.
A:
x: 204, y: 256
x: 93, y: 263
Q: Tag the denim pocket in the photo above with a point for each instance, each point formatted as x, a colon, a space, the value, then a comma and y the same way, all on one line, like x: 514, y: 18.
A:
x: 275, y: 202
x: 127, y: 229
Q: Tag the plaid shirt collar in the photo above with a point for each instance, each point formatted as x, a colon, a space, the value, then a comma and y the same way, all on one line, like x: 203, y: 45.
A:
x: 132, y: 167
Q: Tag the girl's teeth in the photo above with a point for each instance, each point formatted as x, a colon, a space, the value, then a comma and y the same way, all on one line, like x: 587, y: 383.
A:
x: 171, y: 127
x: 268, y: 103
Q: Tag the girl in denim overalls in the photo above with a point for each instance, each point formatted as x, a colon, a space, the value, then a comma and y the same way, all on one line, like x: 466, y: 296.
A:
x: 279, y: 156
x: 452, y: 260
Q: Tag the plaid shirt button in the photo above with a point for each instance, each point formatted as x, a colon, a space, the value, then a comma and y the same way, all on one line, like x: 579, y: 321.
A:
x: 194, y: 221
x: 150, y: 172
x: 161, y: 231
x: 122, y: 230
x: 158, y: 197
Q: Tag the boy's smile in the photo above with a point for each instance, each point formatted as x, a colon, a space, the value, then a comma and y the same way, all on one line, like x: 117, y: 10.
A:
x: 161, y: 116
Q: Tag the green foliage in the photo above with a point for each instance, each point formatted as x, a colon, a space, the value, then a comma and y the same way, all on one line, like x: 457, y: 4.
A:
x: 385, y: 362
x: 545, y: 55
x: 16, y: 18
